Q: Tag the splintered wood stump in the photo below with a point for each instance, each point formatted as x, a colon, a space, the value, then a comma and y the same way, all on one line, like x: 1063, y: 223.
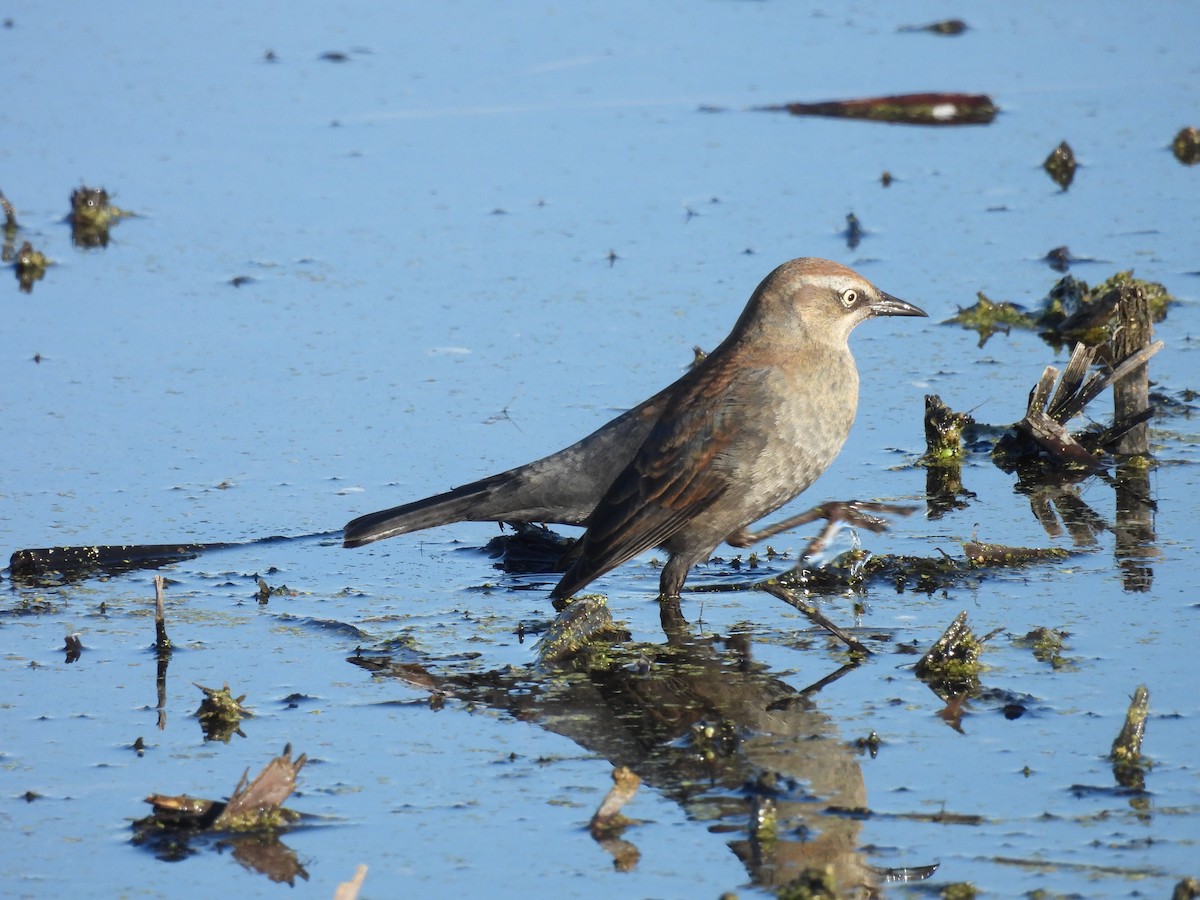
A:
x: 1131, y: 395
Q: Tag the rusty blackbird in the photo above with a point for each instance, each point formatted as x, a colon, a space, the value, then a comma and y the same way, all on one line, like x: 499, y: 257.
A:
x: 744, y: 431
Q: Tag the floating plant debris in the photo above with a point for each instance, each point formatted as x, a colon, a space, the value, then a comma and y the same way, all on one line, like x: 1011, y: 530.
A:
x: 905, y: 109
x: 92, y: 216
x: 1186, y: 146
x: 1060, y: 165
x: 30, y: 266
x: 254, y: 806
x: 987, y: 317
x: 947, y: 27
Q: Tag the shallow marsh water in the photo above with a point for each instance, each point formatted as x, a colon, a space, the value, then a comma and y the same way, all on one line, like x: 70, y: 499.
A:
x: 427, y: 227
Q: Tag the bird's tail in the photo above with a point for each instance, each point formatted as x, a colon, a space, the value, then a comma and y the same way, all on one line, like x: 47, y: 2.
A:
x: 460, y: 504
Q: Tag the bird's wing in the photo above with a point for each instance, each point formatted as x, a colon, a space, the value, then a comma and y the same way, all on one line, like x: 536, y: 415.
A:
x: 670, y: 480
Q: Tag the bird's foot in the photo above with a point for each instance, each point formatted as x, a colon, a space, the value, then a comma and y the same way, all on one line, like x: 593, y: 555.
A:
x: 865, y: 514
x: 855, y: 513
x: 861, y: 513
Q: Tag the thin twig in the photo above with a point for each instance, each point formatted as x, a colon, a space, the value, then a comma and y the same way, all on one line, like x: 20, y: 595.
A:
x: 814, y: 614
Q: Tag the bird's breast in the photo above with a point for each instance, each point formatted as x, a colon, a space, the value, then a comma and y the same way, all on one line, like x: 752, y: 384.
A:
x: 795, y: 429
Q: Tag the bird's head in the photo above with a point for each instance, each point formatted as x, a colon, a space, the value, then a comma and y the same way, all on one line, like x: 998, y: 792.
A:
x: 816, y: 299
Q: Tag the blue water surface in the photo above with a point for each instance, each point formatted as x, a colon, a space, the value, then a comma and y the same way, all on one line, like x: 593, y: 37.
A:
x: 477, y: 237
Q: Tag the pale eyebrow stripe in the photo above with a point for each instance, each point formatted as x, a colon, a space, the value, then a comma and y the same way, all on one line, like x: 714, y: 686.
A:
x: 832, y: 282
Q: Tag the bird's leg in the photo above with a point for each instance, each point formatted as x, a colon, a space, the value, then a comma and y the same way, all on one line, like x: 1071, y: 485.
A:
x: 855, y: 513
x: 674, y: 573
x: 670, y: 584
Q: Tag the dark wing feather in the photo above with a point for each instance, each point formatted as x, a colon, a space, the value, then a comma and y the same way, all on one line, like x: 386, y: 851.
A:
x: 670, y: 481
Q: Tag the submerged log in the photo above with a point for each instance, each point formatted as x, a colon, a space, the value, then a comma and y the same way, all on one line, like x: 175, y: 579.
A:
x: 71, y: 563
x: 63, y: 564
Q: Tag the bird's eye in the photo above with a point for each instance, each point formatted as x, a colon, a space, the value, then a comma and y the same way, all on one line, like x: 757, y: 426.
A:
x: 848, y: 297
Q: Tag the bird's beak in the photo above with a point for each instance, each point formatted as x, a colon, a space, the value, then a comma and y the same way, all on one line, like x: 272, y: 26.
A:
x: 887, y: 305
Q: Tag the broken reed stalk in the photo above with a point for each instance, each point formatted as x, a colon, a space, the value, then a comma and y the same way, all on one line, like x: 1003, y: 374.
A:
x: 1129, y: 766
x: 1131, y: 395
x: 162, y: 646
x: 1127, y: 746
x: 608, y: 817
x: 259, y: 803
x: 1050, y: 409
x: 162, y: 643
x: 10, y: 214
x: 348, y: 890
